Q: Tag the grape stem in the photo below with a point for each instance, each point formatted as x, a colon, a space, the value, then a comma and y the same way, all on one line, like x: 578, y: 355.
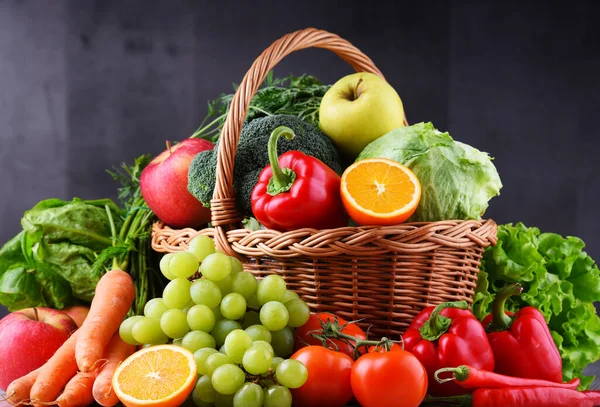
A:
x: 261, y: 380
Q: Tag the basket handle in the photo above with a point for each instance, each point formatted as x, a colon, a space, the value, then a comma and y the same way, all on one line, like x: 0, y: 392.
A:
x: 224, y: 215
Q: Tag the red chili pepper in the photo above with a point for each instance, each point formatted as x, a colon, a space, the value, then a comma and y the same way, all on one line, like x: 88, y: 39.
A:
x: 521, y: 342
x: 520, y: 397
x: 297, y: 191
x: 470, y: 378
x: 448, y: 335
x: 534, y: 397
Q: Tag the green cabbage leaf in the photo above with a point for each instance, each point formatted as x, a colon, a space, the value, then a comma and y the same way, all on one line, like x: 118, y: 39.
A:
x: 457, y: 180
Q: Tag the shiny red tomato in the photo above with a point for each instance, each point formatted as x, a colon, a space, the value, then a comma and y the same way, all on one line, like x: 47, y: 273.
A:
x: 328, y: 382
x: 389, y: 379
x: 304, y: 338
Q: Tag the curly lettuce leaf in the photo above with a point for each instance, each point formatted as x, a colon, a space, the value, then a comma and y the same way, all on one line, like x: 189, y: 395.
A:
x: 558, y: 278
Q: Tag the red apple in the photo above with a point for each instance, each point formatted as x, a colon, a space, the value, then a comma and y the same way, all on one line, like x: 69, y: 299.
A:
x: 164, y: 185
x: 28, y: 338
x: 78, y: 313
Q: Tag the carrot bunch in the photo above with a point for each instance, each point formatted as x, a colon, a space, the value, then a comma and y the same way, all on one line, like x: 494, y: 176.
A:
x: 81, y: 370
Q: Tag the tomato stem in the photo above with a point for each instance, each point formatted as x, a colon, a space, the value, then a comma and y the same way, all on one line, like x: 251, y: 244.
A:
x: 359, y: 343
x: 331, y: 330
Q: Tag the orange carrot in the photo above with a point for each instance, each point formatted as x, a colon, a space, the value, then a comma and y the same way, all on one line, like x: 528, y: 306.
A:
x: 17, y: 392
x: 56, y: 372
x: 113, y: 298
x: 78, y: 313
x: 116, y: 352
x: 78, y: 392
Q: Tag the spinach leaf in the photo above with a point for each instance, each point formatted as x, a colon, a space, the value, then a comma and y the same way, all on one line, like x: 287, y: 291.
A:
x: 79, y: 222
x: 71, y: 262
x: 50, y: 262
x: 23, y: 284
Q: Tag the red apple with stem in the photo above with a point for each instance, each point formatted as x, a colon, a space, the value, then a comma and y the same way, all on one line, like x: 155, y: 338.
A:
x: 28, y: 338
x: 164, y: 181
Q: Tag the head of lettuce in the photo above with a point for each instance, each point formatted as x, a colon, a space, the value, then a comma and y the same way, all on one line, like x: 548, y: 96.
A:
x: 457, y: 180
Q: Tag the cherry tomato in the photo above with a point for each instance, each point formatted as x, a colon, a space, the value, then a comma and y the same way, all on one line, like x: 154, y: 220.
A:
x: 382, y: 379
x: 328, y: 382
x: 304, y: 338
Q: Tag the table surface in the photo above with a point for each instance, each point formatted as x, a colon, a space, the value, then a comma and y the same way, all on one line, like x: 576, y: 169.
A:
x: 593, y: 369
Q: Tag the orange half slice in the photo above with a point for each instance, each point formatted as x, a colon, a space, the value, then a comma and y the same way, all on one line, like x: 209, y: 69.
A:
x: 379, y: 191
x: 161, y: 376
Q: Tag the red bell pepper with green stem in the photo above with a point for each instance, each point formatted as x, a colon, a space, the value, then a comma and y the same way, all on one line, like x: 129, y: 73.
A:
x: 448, y: 335
x: 522, y: 342
x: 297, y: 191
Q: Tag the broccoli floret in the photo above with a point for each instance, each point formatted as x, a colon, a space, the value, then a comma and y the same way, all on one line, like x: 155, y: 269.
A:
x: 202, y: 175
x: 252, y: 157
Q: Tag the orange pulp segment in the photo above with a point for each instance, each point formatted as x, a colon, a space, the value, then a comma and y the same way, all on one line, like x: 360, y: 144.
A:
x: 379, y: 191
x: 161, y: 375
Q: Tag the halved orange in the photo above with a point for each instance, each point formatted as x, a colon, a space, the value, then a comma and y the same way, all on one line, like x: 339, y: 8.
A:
x: 379, y: 191
x: 160, y: 376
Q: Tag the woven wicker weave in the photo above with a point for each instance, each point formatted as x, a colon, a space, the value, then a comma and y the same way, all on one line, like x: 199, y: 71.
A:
x: 382, y: 275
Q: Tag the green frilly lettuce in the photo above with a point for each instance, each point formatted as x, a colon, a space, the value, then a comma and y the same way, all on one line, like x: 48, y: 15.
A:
x: 457, y: 180
x: 558, y: 278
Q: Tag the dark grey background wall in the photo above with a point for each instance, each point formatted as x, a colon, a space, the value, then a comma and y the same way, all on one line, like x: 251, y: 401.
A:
x: 85, y: 85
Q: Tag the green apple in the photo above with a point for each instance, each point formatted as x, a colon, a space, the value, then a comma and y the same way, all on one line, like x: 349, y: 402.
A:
x: 358, y: 109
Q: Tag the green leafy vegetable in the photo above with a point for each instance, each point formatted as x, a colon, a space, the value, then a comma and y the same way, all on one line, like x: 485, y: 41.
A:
x: 66, y: 246
x: 50, y: 262
x: 131, y: 249
x: 559, y: 279
x: 293, y: 95
x: 457, y: 180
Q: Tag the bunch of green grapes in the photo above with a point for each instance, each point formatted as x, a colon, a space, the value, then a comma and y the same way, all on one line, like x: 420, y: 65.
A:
x: 239, y: 328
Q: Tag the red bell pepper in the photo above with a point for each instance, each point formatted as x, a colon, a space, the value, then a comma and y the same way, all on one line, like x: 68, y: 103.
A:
x: 297, y: 191
x: 521, y: 342
x: 448, y: 335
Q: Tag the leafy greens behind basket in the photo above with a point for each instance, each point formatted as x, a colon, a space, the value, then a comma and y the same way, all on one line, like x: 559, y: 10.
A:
x: 66, y: 246
x: 292, y: 95
x: 558, y: 278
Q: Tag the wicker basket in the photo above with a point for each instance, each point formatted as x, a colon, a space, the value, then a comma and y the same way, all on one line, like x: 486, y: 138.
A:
x: 382, y: 275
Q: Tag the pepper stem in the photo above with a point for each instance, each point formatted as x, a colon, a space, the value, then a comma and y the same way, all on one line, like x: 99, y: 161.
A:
x: 459, y: 374
x: 501, y: 321
x: 437, y: 324
x: 282, y: 179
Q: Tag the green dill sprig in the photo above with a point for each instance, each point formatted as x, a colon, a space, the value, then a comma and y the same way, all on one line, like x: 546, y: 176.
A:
x: 294, y: 95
